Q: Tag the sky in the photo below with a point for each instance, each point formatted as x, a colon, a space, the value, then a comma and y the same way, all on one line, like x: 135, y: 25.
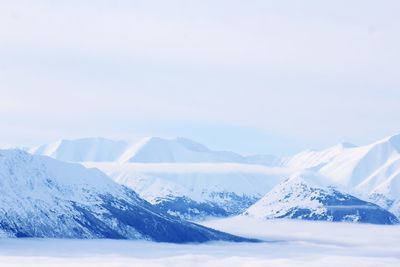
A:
x: 253, y: 76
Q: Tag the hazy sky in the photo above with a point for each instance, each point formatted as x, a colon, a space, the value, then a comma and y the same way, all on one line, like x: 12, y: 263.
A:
x: 251, y: 76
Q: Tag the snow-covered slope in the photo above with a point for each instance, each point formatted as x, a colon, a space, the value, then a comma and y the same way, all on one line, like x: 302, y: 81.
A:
x: 306, y: 196
x: 86, y: 149
x: 370, y: 172
x: 196, y: 190
x: 314, y: 158
x: 180, y: 176
x: 190, y: 180
x: 148, y: 150
x: 43, y: 197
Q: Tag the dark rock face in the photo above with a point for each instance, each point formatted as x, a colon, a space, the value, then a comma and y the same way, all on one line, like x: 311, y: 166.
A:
x: 224, y: 205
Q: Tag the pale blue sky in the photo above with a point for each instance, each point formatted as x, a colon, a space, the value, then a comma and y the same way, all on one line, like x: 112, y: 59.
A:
x: 251, y: 76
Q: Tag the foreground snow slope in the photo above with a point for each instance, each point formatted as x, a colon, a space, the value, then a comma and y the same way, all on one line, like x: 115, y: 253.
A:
x: 294, y: 243
x: 305, y: 196
x: 43, y: 197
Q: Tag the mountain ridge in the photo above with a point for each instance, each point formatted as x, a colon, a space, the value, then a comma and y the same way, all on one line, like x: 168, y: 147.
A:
x: 369, y: 172
x: 44, y: 197
x: 147, y: 150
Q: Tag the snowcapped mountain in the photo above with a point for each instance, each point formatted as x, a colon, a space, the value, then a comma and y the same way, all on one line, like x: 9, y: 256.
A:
x: 43, y: 197
x: 314, y: 158
x: 180, y: 176
x: 370, y: 172
x: 189, y: 180
x: 148, y: 150
x: 196, y: 190
x: 86, y: 149
x: 305, y: 196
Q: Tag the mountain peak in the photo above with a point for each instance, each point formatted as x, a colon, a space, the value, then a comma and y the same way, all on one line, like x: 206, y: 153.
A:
x: 302, y: 197
x: 183, y: 150
x: 186, y: 142
x: 148, y: 150
x: 344, y: 145
x: 190, y: 144
x: 83, y: 149
x: 309, y: 178
x: 394, y: 140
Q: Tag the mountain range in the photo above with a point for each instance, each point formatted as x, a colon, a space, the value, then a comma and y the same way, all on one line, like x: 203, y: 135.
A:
x: 189, y: 180
x: 180, y: 176
x: 148, y: 150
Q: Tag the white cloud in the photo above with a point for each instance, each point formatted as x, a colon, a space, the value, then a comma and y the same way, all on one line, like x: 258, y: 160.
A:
x: 299, y: 243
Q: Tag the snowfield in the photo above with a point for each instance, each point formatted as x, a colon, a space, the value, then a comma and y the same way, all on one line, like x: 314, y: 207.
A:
x: 291, y: 243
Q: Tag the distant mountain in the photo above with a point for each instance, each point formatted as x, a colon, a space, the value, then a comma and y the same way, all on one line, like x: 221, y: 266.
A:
x: 315, y: 158
x: 43, y: 197
x: 87, y: 149
x: 304, y: 196
x: 189, y: 180
x: 148, y: 150
x: 219, y: 184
